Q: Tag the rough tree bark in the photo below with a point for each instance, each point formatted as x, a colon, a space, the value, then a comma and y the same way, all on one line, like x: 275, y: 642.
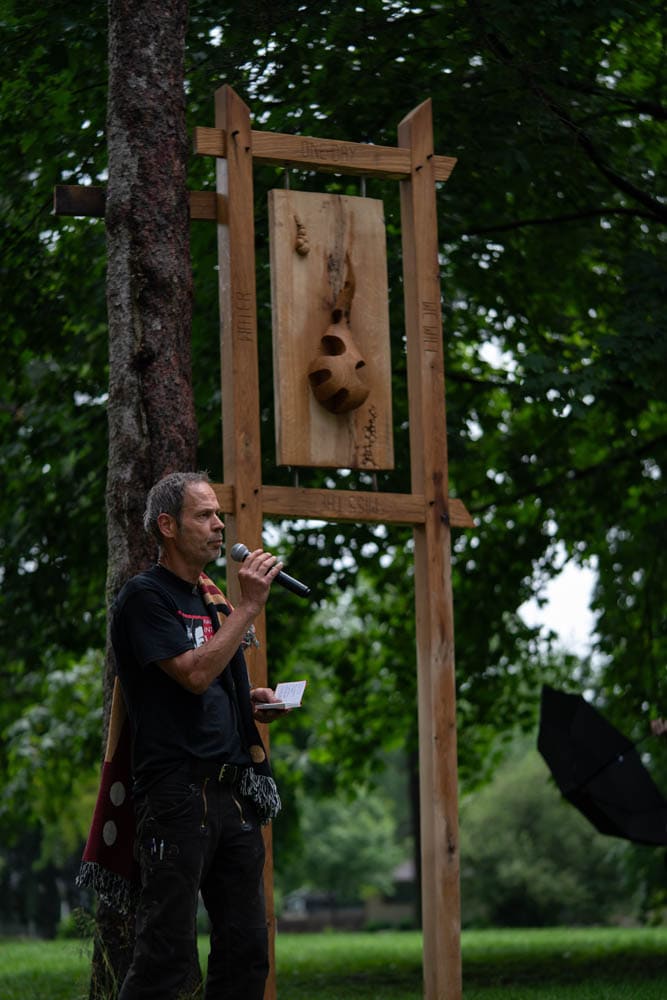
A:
x: 152, y: 426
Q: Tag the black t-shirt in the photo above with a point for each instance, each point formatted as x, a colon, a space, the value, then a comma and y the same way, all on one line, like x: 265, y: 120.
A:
x: 157, y: 615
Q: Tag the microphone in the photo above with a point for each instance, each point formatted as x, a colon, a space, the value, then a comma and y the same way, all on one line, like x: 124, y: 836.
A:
x: 239, y: 553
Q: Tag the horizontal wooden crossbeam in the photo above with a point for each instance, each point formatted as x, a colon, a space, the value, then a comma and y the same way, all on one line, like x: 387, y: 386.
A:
x: 329, y: 155
x: 343, y: 505
x: 279, y: 149
x: 79, y: 199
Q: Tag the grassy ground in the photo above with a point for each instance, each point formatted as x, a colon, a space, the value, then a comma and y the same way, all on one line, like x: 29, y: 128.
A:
x: 558, y: 964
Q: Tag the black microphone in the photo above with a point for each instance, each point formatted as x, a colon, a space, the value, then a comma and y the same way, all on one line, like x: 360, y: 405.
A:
x: 239, y: 553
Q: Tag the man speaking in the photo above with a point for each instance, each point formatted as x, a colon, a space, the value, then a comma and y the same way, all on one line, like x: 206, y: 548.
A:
x: 202, y: 785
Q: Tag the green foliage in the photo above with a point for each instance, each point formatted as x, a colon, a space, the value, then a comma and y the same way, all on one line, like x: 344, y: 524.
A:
x: 349, y: 848
x: 530, y: 859
x: 53, y: 377
x: 553, y: 268
x: 50, y: 746
x: 358, y: 653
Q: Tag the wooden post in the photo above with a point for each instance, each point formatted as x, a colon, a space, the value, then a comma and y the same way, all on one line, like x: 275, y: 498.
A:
x: 433, y: 595
x: 240, y: 396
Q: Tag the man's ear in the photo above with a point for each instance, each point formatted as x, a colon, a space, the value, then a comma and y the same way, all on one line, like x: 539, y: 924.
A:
x: 167, y: 525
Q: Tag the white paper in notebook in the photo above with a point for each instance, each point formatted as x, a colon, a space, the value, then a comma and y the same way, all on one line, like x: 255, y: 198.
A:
x: 289, y: 694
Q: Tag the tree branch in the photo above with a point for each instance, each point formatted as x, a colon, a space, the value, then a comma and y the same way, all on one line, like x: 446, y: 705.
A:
x: 613, y: 456
x: 585, y: 143
x: 638, y: 105
x: 556, y: 220
x: 583, y: 140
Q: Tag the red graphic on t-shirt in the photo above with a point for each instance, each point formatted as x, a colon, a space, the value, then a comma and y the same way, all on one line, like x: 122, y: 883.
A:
x: 198, y: 628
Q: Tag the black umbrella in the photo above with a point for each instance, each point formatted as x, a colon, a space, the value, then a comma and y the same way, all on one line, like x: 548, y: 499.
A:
x: 599, y: 770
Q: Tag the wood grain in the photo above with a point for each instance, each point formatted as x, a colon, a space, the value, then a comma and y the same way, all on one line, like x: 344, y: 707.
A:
x: 343, y: 233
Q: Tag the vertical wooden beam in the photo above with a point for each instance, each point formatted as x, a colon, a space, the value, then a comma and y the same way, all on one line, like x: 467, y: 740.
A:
x: 240, y: 380
x: 238, y: 319
x: 433, y: 591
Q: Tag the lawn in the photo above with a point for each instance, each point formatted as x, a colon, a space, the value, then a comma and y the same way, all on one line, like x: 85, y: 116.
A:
x: 555, y: 964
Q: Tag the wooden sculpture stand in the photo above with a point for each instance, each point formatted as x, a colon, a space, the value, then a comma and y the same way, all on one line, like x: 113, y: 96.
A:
x: 245, y: 500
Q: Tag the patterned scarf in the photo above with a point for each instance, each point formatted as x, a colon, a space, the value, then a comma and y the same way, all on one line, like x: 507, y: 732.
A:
x: 109, y: 866
x: 257, y: 782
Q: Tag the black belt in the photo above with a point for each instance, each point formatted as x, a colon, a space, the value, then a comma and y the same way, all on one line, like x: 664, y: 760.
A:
x: 226, y: 774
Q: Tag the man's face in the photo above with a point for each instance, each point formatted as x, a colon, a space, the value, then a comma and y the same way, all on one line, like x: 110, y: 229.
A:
x: 198, y: 538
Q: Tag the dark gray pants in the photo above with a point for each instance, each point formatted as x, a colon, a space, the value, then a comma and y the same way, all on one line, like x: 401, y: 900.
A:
x: 198, y: 835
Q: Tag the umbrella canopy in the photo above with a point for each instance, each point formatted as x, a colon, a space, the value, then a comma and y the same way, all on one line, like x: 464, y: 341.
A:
x: 599, y: 770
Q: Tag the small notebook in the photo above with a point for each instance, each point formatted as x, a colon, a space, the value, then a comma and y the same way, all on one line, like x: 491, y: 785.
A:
x: 289, y: 694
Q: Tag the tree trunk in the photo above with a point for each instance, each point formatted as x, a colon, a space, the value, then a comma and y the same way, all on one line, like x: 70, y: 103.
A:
x: 152, y: 426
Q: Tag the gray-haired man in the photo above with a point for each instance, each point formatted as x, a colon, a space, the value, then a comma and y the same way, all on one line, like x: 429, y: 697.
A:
x: 202, y: 784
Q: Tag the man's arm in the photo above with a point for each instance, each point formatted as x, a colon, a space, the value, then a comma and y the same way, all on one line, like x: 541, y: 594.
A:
x: 196, y: 669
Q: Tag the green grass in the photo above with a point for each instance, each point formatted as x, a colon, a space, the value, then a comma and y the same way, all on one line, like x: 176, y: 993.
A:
x: 555, y: 964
